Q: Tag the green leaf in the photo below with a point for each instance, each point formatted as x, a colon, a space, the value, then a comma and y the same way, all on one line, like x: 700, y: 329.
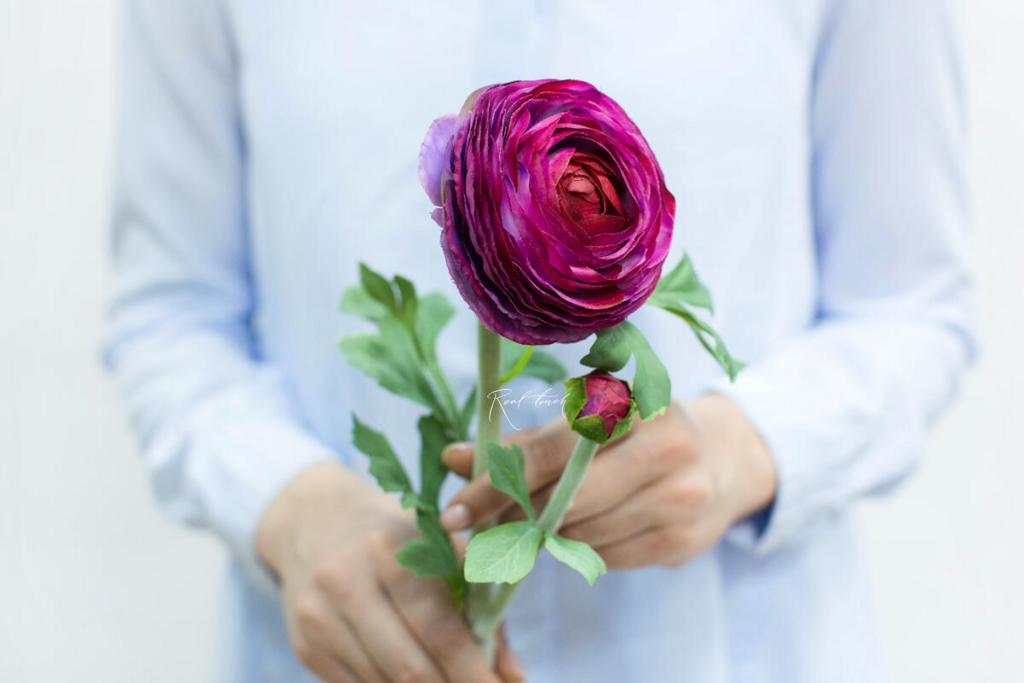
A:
x: 652, y: 388
x: 507, y: 468
x: 377, y: 287
x: 611, y: 349
x: 504, y: 554
x: 407, y: 308
x: 432, y: 554
x: 384, y: 464
x: 539, y: 365
x: 577, y: 555
x: 681, y: 285
x: 466, y: 413
x: 675, y: 293
x: 432, y: 468
x: 390, y: 357
x: 545, y: 367
x: 433, y: 313
x: 716, y: 347
x: 357, y: 301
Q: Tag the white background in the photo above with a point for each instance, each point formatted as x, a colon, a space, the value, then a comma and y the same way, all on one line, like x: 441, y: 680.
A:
x: 94, y: 586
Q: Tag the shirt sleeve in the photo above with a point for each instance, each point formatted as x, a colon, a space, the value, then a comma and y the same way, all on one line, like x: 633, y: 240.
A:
x: 844, y: 406
x: 220, y: 427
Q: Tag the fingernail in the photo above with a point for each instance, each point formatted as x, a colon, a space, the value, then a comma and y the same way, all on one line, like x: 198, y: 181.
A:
x: 456, y: 518
x: 454, y: 450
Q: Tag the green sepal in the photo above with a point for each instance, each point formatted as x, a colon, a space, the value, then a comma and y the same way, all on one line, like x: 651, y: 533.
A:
x: 625, y: 424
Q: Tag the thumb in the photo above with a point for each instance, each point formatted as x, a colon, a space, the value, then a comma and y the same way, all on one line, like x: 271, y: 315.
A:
x: 458, y: 457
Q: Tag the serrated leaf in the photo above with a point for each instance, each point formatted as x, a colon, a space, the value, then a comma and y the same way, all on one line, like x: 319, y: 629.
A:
x: 504, y: 554
x: 577, y: 555
x: 681, y: 285
x: 652, y: 388
x: 384, y: 464
x: 675, y: 293
x: 540, y: 365
x: 716, y: 347
x: 432, y: 468
x: 432, y: 555
x: 406, y: 309
x: 390, y: 357
x: 377, y: 286
x: 433, y: 313
x: 507, y: 468
x: 357, y: 301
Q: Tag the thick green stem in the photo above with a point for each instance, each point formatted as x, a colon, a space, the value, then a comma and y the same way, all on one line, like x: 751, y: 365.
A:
x: 479, y: 598
x: 488, y: 425
x: 551, y: 518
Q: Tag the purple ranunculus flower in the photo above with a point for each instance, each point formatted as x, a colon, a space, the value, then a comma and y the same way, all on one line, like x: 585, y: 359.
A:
x: 554, y: 212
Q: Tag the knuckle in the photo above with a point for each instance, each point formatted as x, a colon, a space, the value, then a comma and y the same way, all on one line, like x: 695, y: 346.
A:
x: 339, y: 584
x: 446, y: 636
x: 670, y: 541
x: 332, y: 578
x: 693, y: 493
x: 304, y: 651
x: 311, y: 615
x: 412, y: 672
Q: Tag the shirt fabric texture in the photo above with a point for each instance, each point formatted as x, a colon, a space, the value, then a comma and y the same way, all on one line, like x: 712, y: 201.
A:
x: 814, y: 148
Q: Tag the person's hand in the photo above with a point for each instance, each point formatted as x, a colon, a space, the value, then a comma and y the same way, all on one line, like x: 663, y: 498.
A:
x: 662, y: 494
x: 353, y: 612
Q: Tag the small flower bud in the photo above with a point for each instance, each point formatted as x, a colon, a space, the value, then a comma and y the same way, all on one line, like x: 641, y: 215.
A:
x: 598, y: 406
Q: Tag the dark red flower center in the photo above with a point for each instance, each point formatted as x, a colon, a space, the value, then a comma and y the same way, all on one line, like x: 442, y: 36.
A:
x: 591, y: 194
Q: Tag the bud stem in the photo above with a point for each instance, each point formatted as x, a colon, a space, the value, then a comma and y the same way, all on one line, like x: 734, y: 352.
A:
x: 565, y: 490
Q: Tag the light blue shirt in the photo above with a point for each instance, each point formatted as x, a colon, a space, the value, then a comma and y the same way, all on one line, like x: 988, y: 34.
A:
x: 814, y: 148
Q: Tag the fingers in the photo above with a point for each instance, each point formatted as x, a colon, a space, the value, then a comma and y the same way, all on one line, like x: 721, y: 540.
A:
x: 506, y: 663
x: 332, y: 648
x: 325, y: 667
x: 546, y: 450
x: 458, y: 457
x: 387, y: 640
x: 649, y: 508
x: 653, y: 546
x: 428, y: 610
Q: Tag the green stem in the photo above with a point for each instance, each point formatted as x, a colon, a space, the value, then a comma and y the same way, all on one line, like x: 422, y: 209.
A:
x: 485, y: 619
x: 551, y: 518
x: 451, y: 410
x: 479, y: 598
x: 488, y: 426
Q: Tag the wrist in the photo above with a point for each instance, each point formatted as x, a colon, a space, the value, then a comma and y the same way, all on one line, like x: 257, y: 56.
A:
x: 279, y: 525
x: 746, y: 468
